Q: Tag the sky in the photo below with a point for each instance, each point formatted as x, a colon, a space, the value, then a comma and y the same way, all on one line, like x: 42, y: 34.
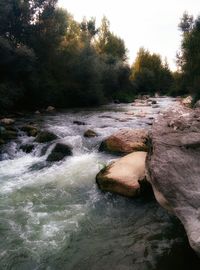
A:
x: 152, y: 24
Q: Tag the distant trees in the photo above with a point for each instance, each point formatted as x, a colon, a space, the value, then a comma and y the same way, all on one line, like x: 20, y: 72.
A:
x: 188, y: 58
x: 46, y: 57
x: 150, y: 74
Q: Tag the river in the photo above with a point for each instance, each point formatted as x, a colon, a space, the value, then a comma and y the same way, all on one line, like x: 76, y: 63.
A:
x: 54, y: 217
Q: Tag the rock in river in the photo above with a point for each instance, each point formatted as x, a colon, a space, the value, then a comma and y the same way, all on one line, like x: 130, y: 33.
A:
x: 123, y: 176
x: 126, y: 141
x: 173, y: 166
x: 7, y: 121
x: 45, y: 136
x: 59, y: 152
x: 31, y: 130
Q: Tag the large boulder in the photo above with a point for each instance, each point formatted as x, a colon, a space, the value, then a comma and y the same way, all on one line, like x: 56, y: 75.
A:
x: 126, y: 141
x: 173, y: 166
x: 59, y: 152
x: 45, y: 136
x: 124, y: 175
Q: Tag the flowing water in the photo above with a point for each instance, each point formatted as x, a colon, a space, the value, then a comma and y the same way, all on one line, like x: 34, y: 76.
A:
x: 53, y: 216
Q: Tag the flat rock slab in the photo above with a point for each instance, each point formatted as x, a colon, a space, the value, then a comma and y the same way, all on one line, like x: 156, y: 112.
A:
x: 173, y: 166
x: 123, y: 175
x: 126, y: 141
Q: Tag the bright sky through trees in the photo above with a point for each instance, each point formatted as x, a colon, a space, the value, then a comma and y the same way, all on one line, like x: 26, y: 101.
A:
x: 151, y: 24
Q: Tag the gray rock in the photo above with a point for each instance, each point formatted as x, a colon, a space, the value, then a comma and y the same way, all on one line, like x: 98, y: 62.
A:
x: 59, y: 152
x: 173, y: 166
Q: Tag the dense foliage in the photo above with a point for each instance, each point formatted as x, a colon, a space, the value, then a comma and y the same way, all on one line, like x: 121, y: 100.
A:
x: 150, y: 73
x: 47, y: 58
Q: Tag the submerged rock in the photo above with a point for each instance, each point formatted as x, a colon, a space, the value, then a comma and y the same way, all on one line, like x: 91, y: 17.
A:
x: 59, y: 152
x: 174, y: 168
x: 90, y: 133
x: 79, y: 123
x: 45, y: 136
x: 124, y: 175
x: 126, y: 141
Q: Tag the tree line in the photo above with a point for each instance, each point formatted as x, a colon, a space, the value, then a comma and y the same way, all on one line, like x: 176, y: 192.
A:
x: 48, y: 58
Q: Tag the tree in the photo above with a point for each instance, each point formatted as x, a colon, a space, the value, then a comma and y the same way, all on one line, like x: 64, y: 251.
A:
x: 150, y: 74
x: 109, y: 44
x: 190, y: 57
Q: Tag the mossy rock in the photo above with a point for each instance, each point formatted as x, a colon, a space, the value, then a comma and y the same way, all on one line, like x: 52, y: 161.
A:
x: 45, y: 136
x: 30, y: 130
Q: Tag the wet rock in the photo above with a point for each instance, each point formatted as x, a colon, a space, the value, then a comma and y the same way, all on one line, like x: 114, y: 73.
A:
x: 31, y: 130
x: 79, y: 123
x: 126, y: 141
x: 50, y: 109
x: 59, y: 152
x: 90, y: 133
x: 123, y: 176
x: 45, y: 136
x: 173, y: 166
x: 37, y: 112
x: 7, y: 121
x: 27, y: 148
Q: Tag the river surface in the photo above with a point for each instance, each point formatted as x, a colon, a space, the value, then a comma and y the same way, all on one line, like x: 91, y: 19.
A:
x: 54, y: 217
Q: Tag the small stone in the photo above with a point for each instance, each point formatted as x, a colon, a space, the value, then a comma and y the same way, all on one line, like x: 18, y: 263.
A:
x: 90, y: 133
x: 7, y: 121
